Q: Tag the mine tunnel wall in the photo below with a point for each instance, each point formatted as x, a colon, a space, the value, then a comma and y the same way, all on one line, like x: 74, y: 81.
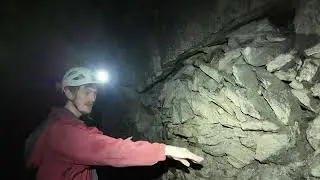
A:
x: 249, y: 103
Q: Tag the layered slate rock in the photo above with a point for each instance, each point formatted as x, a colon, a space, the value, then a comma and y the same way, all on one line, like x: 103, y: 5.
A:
x: 271, y: 145
x: 245, y: 76
x: 279, y: 97
x: 313, y: 133
x: 280, y: 62
x: 306, y: 20
x: 316, y: 90
x: 309, y: 71
x: 247, y: 106
x: 260, y: 56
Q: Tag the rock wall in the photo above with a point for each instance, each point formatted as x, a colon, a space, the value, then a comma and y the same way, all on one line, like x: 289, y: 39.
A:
x: 179, y: 26
x: 249, y: 105
x: 307, y: 20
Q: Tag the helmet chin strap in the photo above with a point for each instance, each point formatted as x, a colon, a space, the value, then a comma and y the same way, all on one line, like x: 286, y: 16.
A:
x: 76, y: 106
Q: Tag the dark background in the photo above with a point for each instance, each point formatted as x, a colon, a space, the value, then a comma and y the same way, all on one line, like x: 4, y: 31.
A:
x: 40, y: 40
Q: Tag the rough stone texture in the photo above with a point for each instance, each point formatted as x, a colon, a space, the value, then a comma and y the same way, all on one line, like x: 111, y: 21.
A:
x: 274, y: 172
x: 307, y: 17
x: 230, y: 58
x: 314, y: 165
x: 174, y: 89
x: 279, y: 97
x: 307, y: 100
x: 313, y: 50
x: 251, y: 139
x: 289, y: 75
x: 202, y: 107
x: 313, y: 133
x: 179, y: 29
x: 271, y: 37
x: 196, y: 60
x: 250, y: 103
x: 254, y: 105
x: 246, y: 121
x: 309, y: 71
x: 181, y: 112
x: 250, y: 32
x: 185, y: 72
x: 245, y: 76
x: 317, y: 55
x: 296, y: 85
x: 284, y: 105
x: 316, y: 90
x: 217, y: 98
x: 259, y: 125
x: 259, y: 56
x: 156, y: 64
x: 199, y: 79
x: 271, y: 145
x: 238, y: 155
x: 212, y: 72
x: 279, y: 62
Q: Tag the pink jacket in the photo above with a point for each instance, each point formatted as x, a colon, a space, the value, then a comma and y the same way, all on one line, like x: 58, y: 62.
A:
x: 67, y: 148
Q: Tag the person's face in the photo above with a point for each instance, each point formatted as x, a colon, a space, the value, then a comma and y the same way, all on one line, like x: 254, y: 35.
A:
x: 84, y: 98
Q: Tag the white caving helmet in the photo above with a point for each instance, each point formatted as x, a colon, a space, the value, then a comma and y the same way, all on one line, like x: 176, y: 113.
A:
x: 78, y: 76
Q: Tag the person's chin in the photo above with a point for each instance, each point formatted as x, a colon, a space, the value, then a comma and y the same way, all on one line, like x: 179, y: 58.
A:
x: 86, y: 110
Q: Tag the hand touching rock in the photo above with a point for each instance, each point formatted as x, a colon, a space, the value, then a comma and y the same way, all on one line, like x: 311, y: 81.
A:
x: 182, y: 155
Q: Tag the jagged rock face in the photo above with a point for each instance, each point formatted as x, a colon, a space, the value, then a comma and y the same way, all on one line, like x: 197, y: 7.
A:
x: 186, y: 27
x: 245, y: 108
x: 180, y: 26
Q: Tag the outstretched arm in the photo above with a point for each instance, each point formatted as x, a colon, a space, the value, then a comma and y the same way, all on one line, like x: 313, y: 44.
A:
x: 83, y: 147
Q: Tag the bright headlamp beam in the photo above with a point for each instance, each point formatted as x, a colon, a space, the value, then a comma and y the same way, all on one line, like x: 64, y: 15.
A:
x: 102, y: 76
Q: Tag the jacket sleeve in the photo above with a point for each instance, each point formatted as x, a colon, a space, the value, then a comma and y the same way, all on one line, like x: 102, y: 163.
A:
x: 85, y: 147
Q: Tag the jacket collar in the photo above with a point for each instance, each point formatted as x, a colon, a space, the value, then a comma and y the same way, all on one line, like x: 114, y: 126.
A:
x: 61, y: 111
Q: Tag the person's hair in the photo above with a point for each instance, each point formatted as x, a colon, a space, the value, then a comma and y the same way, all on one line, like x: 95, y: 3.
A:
x: 74, y: 89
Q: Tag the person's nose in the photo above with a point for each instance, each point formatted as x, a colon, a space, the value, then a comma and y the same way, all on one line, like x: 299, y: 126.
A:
x: 92, y: 97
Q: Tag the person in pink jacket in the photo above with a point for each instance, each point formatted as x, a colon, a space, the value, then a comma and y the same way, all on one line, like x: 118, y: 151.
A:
x: 63, y: 147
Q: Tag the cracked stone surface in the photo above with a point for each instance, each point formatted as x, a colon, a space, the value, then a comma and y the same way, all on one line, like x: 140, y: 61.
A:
x: 279, y: 62
x: 248, y: 107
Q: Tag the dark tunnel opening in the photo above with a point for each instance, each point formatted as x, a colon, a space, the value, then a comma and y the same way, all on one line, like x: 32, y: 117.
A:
x: 282, y: 17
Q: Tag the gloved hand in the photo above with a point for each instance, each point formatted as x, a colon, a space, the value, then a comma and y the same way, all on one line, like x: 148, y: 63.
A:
x: 182, y: 154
